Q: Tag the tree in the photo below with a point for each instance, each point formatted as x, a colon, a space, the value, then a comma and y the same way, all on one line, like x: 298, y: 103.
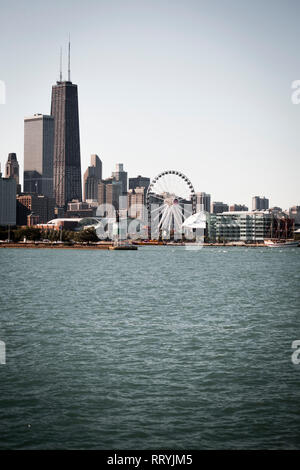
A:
x: 87, y: 235
x: 30, y: 233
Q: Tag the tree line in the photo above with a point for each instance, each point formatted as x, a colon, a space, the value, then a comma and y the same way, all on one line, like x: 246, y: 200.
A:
x: 18, y: 234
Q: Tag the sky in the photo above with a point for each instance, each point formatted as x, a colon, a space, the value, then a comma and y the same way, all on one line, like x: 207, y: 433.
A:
x: 199, y: 86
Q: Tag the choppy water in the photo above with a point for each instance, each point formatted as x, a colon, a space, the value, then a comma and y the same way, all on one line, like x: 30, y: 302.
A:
x: 159, y: 348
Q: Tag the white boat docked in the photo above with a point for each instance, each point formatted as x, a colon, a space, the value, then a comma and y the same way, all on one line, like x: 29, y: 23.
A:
x: 281, y: 244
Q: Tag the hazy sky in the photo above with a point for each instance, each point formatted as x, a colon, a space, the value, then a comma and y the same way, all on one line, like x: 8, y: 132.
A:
x: 203, y: 87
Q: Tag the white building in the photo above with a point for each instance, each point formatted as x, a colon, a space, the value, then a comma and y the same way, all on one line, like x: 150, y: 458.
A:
x: 240, y: 226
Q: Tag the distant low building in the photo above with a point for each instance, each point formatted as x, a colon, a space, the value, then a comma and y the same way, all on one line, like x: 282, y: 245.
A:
x: 219, y: 207
x: 80, y: 209
x: 32, y: 220
x: 39, y: 205
x: 275, y: 209
x: 61, y: 224
x: 238, y: 207
x: 252, y: 226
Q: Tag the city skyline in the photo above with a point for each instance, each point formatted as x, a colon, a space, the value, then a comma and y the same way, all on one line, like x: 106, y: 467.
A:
x: 234, y: 136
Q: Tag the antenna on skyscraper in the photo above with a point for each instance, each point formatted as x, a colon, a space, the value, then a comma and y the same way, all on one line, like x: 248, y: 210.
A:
x: 60, y: 71
x: 69, y: 61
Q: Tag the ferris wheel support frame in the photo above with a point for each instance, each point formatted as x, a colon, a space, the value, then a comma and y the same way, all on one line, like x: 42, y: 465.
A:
x: 157, y: 178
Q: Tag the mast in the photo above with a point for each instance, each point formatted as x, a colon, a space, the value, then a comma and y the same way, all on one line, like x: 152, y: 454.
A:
x: 69, y: 60
x: 60, y: 71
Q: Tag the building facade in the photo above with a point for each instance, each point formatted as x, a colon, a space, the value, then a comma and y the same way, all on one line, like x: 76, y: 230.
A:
x: 121, y: 176
x: 66, y: 165
x: 80, y: 209
x: 109, y: 192
x: 12, y: 169
x: 218, y: 207
x: 203, y: 202
x: 8, y: 189
x: 136, y: 203
x: 139, y: 182
x: 238, y: 207
x: 92, y: 177
x: 294, y: 213
x: 243, y: 226
x: 34, y: 204
x: 260, y: 203
x: 38, y: 154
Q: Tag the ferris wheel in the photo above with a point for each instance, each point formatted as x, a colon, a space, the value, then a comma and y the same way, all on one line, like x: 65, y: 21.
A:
x: 171, y: 199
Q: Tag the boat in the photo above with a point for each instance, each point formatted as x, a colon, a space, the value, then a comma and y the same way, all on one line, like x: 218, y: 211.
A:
x: 119, y: 243
x: 122, y: 246
x: 281, y: 243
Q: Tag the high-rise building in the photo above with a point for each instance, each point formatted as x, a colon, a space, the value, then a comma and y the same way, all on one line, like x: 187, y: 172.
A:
x: 260, y: 203
x: 8, y: 189
x: 203, y: 202
x: 121, y: 176
x: 294, y: 213
x: 92, y: 177
x: 12, y: 169
x: 109, y: 192
x: 219, y: 207
x: 139, y: 182
x: 38, y: 154
x: 136, y: 203
x: 67, y: 166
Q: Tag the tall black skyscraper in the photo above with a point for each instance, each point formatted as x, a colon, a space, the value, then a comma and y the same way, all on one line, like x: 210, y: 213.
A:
x: 66, y: 165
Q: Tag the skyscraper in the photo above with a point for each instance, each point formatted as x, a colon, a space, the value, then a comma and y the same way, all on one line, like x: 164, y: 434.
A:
x: 7, y: 200
x: 92, y: 176
x: 260, y: 203
x: 109, y: 192
x: 139, y: 182
x: 203, y: 202
x: 136, y: 203
x: 121, y: 176
x: 67, y: 166
x: 12, y: 169
x: 38, y: 154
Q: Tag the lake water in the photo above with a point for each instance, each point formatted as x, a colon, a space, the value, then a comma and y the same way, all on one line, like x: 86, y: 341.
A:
x: 154, y: 349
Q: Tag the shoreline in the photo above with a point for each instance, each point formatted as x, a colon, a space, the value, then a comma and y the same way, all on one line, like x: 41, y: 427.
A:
x: 106, y: 246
